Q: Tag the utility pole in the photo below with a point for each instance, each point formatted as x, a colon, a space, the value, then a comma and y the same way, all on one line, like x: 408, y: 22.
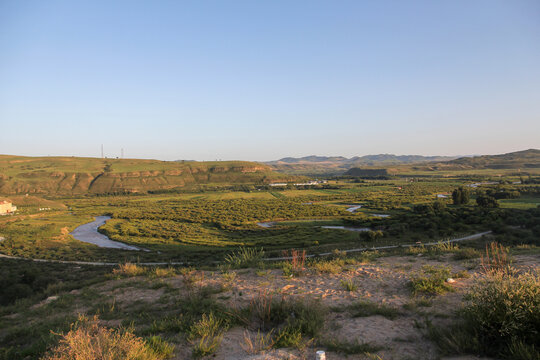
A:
x: 122, y: 155
x: 102, y: 151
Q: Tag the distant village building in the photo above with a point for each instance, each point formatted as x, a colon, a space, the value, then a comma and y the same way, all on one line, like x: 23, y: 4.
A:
x: 312, y: 183
x: 6, y: 207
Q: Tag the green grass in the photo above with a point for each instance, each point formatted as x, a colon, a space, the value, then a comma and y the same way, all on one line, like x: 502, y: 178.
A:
x: 523, y: 202
x: 431, y: 280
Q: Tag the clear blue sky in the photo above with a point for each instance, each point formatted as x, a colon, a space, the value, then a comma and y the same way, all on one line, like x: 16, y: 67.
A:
x: 260, y: 80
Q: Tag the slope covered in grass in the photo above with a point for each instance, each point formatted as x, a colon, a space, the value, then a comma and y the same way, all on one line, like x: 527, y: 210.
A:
x: 73, y: 175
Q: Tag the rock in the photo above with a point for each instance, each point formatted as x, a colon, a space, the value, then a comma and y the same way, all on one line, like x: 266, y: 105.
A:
x: 450, y: 280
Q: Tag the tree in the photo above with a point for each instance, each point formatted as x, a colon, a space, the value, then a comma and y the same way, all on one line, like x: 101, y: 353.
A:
x: 487, y: 201
x: 460, y: 196
x: 371, y: 235
x: 439, y: 206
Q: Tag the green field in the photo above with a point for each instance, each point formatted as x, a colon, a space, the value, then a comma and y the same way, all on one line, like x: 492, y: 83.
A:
x: 206, y: 225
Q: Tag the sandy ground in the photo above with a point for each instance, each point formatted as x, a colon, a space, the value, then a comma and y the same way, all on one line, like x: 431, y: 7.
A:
x: 384, y: 281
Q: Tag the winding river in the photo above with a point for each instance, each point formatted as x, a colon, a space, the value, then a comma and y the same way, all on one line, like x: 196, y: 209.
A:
x: 88, y: 233
x: 346, y: 228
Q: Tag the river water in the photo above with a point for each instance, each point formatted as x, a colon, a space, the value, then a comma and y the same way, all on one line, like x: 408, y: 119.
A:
x: 88, y: 233
x: 346, y: 228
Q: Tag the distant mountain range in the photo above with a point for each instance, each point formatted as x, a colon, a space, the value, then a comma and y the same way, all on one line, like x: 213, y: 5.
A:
x: 335, y: 165
x: 339, y: 164
x: 367, y: 159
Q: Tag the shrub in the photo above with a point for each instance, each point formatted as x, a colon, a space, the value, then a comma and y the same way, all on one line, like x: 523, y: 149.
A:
x: 502, y: 319
x: 207, y: 345
x: 329, y: 266
x: 297, y: 321
x: 228, y: 278
x: 209, y: 330
x: 295, y: 266
x: 371, y: 235
x: 128, y: 270
x: 89, y: 341
x: 443, y: 247
x: 160, y: 346
x: 349, y: 285
x: 245, y: 257
x: 258, y: 343
x: 506, y: 308
x: 207, y: 326
x: 416, y: 250
x: 431, y: 281
x: 163, y: 272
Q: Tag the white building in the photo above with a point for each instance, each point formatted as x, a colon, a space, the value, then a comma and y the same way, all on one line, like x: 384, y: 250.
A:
x: 6, y: 207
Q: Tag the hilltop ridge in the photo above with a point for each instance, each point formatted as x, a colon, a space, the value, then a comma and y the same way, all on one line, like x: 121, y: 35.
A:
x: 76, y: 175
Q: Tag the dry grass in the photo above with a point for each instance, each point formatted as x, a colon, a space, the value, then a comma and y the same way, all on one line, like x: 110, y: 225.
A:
x: 89, y: 341
x: 496, y: 259
x: 129, y: 269
x: 257, y: 343
x: 164, y: 272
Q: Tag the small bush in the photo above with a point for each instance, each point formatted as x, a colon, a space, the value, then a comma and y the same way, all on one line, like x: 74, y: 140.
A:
x: 431, y: 281
x: 338, y: 254
x: 297, y: 321
x: 209, y: 330
x: 207, y: 345
x: 444, y: 247
x: 258, y: 343
x: 89, y: 341
x: 160, y: 346
x: 245, y: 257
x: 329, y: 266
x: 506, y: 308
x: 368, y: 256
x: 228, y: 278
x: 501, y: 319
x: 128, y: 270
x: 289, y: 336
x: 163, y: 272
x: 416, y: 250
x: 207, y: 326
x: 349, y: 285
x: 294, y: 266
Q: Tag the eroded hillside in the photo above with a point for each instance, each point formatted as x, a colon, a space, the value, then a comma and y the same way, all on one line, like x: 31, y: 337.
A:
x: 70, y: 175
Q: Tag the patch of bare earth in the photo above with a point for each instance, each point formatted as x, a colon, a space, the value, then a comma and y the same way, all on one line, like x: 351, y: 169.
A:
x: 385, y: 281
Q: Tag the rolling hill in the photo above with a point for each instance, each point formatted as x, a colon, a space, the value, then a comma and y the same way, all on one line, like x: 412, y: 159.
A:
x: 75, y: 175
x: 526, y: 159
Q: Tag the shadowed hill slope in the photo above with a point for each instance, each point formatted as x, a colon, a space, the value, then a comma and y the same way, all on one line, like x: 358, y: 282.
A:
x: 73, y: 175
x: 514, y: 160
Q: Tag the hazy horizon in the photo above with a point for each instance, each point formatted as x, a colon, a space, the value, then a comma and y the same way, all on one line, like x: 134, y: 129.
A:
x: 262, y: 81
x: 270, y: 160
